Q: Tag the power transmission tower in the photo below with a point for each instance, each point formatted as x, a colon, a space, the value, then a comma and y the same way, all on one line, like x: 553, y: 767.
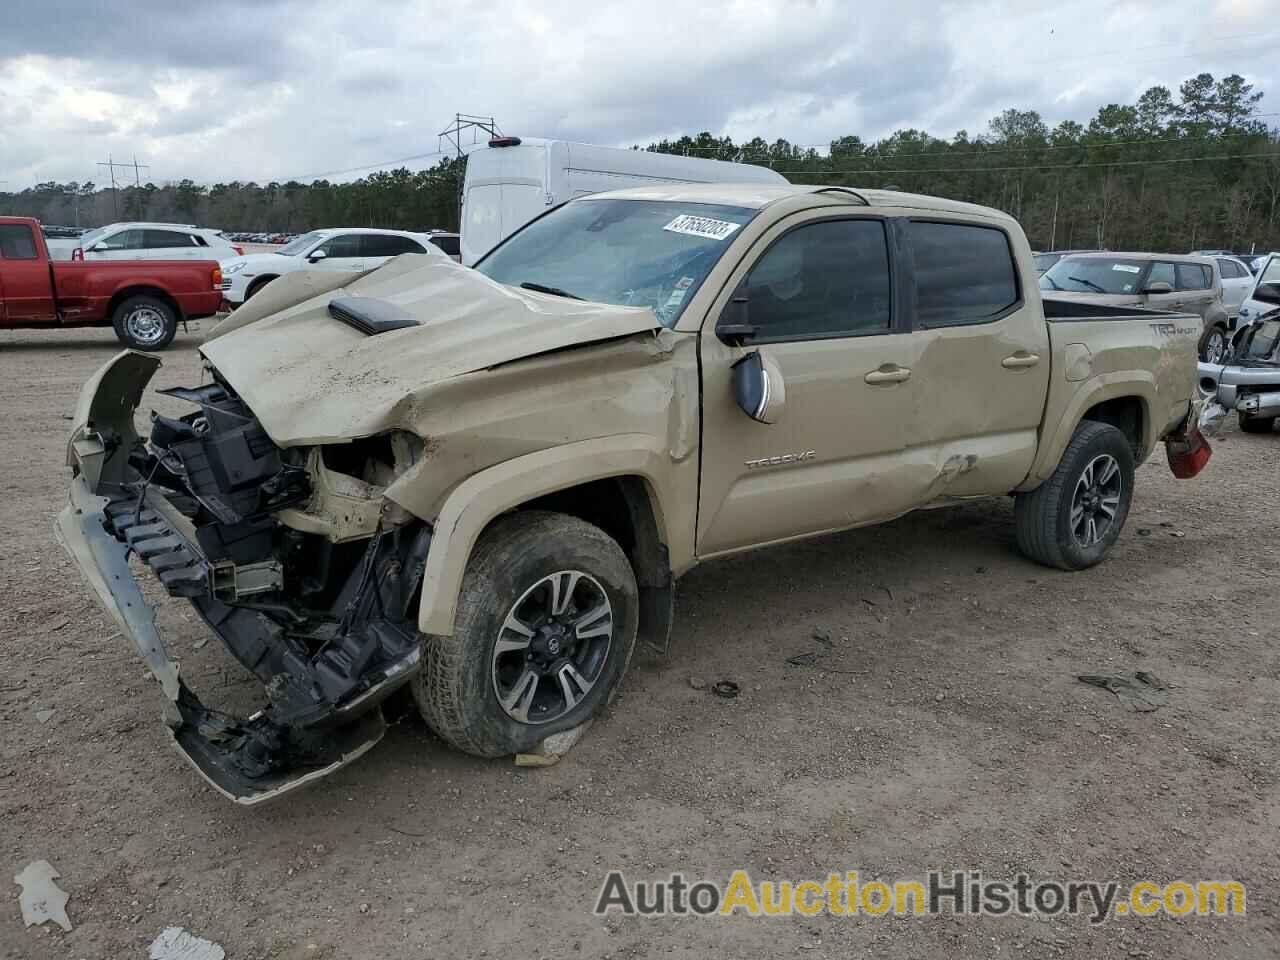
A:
x: 454, y: 134
x: 111, y: 169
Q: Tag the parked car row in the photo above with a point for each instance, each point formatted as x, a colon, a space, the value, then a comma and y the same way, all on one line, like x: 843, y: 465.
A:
x: 240, y: 237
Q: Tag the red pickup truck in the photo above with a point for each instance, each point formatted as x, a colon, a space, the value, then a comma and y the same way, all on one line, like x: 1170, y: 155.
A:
x: 144, y: 300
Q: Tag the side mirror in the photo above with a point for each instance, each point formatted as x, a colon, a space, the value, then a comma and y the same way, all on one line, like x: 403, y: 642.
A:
x: 758, y: 387
x: 734, y: 326
x: 1160, y: 286
x: 315, y: 256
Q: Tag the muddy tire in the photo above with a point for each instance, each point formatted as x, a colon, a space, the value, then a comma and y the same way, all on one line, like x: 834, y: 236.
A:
x: 544, y: 631
x: 1255, y: 424
x: 1072, y: 519
x: 145, y: 323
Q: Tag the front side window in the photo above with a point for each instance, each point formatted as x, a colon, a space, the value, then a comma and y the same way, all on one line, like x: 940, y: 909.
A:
x: 822, y: 280
x: 1192, y: 276
x: 124, y: 240
x: 343, y: 245
x: 964, y: 273
x: 636, y: 253
x: 1229, y: 270
x: 17, y: 242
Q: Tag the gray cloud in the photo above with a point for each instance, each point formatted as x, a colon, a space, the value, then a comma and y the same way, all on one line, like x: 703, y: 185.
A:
x: 267, y: 89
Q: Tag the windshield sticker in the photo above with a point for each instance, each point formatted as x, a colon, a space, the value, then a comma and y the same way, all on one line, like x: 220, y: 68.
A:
x: 1126, y: 268
x: 684, y: 283
x: 703, y: 227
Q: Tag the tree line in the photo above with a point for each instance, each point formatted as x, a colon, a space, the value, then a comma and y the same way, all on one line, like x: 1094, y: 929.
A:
x: 1199, y: 169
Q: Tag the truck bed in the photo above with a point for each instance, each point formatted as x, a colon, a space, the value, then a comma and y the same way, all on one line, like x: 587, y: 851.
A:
x: 1100, y: 350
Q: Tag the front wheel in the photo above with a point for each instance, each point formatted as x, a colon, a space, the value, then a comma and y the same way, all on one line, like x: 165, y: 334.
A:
x: 1072, y: 519
x: 145, y: 323
x: 544, y: 630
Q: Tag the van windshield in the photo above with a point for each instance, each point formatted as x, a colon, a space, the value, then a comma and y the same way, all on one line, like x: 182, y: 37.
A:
x: 636, y: 253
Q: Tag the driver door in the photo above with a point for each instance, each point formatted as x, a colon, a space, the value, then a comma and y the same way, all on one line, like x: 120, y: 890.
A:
x: 820, y: 297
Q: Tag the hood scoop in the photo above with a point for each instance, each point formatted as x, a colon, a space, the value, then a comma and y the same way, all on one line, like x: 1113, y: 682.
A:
x: 370, y: 315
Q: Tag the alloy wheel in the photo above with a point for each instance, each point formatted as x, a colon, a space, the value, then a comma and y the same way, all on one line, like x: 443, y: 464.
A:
x: 552, y: 647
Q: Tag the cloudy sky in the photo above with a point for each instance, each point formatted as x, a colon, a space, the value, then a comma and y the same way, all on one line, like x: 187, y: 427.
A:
x: 276, y: 89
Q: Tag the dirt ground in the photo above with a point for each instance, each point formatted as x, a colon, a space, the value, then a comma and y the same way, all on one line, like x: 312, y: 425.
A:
x: 954, y: 735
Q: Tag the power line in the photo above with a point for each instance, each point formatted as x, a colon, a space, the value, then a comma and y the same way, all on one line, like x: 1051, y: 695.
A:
x: 1042, y: 166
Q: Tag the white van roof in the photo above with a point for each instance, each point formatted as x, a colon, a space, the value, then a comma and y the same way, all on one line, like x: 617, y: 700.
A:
x: 620, y: 161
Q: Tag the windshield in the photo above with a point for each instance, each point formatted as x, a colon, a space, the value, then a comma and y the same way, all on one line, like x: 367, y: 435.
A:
x: 1046, y: 260
x: 1262, y: 341
x: 87, y: 240
x: 1093, y: 275
x: 637, y: 253
x: 300, y: 245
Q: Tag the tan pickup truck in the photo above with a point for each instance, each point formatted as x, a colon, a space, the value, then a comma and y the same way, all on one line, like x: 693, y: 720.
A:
x: 484, y: 483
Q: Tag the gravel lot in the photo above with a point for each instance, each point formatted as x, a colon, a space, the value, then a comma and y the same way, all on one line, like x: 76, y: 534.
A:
x: 943, y: 727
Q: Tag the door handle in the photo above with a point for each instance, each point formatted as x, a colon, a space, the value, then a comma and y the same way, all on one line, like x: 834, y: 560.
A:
x: 1019, y: 360
x: 889, y: 373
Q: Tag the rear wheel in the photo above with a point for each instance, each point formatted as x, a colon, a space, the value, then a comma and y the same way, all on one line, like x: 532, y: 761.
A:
x: 1213, y: 345
x: 545, y: 628
x: 1072, y: 519
x: 1255, y: 424
x: 145, y: 323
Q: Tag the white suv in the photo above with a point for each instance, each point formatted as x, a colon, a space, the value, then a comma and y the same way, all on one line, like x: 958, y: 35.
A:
x: 146, y: 241
x: 340, y: 248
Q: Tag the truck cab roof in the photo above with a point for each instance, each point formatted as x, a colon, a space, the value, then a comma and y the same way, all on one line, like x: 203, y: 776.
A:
x: 757, y: 196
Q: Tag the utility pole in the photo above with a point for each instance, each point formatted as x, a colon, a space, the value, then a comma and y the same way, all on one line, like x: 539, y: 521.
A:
x: 453, y: 135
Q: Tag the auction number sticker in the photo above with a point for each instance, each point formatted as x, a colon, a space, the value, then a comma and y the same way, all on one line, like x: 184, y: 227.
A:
x: 703, y: 227
x: 1126, y: 268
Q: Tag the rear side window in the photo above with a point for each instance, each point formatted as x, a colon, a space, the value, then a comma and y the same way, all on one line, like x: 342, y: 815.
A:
x: 165, y: 239
x: 820, y: 281
x: 383, y: 245
x: 448, y: 244
x: 1229, y: 270
x: 17, y: 242
x: 1161, y: 273
x: 1192, y: 276
x: 964, y: 273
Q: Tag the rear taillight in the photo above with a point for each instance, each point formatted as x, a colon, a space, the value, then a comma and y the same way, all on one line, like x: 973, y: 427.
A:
x: 1188, y: 454
x: 505, y: 142
x: 217, y: 278
x: 77, y: 253
x: 239, y: 250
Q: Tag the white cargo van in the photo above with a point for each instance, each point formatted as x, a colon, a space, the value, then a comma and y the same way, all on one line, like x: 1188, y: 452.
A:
x: 513, y: 180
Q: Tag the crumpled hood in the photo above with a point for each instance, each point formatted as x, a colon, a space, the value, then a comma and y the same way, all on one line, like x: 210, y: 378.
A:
x: 310, y: 378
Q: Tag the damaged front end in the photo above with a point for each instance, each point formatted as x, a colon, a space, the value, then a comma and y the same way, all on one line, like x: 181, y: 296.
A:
x: 321, y: 610
x: 1249, y: 380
